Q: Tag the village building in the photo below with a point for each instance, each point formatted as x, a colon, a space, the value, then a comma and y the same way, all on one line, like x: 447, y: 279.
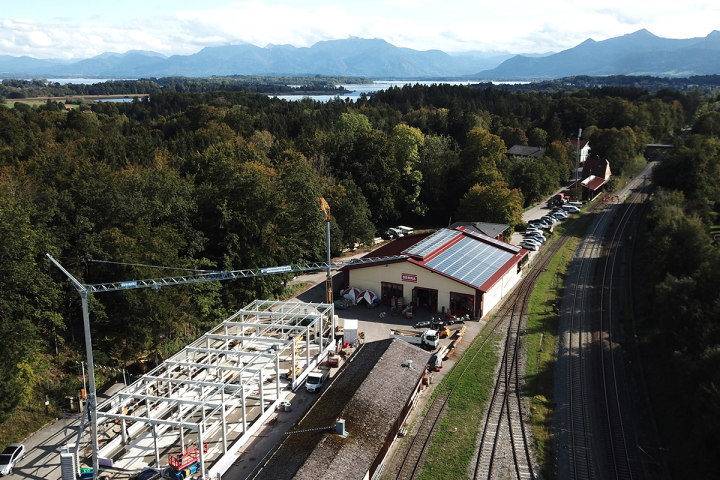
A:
x: 584, y: 147
x: 524, y: 151
x: 494, y: 230
x: 454, y: 270
x: 595, y: 174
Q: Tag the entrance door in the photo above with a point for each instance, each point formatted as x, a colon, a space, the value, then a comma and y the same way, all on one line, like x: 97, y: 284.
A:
x: 462, y: 304
x: 425, y: 298
x: 388, y: 291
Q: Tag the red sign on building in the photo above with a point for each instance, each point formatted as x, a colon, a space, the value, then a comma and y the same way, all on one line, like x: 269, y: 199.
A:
x: 409, y: 277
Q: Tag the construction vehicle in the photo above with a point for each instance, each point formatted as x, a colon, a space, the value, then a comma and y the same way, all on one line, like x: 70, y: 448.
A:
x: 317, y: 378
x: 445, y: 332
x: 428, y: 339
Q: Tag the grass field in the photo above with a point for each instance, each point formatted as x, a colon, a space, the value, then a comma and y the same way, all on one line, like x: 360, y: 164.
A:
x: 453, y: 444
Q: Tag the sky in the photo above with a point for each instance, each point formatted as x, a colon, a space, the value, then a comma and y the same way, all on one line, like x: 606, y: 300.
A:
x: 83, y: 28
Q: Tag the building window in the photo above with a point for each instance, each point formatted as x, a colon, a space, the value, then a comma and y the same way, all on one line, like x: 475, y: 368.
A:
x: 388, y: 291
x: 462, y: 304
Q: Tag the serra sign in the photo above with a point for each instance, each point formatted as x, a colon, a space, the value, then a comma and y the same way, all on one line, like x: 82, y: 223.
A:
x: 409, y: 277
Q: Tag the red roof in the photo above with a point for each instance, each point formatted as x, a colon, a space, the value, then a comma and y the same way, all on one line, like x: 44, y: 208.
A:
x: 512, y: 253
x: 594, y: 183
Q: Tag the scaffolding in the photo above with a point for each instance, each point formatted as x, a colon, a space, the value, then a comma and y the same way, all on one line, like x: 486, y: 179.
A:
x: 220, y: 388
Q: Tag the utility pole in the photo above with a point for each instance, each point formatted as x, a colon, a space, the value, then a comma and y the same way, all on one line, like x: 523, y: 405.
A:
x: 577, y: 164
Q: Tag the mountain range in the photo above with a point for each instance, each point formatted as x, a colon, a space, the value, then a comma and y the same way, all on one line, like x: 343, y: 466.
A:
x: 639, y: 53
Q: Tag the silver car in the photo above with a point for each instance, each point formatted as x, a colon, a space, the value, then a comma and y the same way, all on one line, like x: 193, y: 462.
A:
x: 537, y: 237
x: 9, y: 457
x: 529, y: 246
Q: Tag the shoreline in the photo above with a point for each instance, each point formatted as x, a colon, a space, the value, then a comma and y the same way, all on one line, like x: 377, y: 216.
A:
x: 66, y: 98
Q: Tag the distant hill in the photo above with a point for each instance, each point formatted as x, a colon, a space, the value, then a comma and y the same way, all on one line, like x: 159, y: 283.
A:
x: 639, y: 53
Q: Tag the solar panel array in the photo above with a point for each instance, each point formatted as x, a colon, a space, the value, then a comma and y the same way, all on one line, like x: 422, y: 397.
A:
x: 486, y: 238
x: 433, y: 242
x: 470, y: 261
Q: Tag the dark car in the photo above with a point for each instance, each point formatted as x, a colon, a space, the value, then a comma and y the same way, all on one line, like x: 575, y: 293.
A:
x: 147, y: 474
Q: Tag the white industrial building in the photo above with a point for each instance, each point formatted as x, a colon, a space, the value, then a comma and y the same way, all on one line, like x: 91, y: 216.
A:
x: 456, y: 270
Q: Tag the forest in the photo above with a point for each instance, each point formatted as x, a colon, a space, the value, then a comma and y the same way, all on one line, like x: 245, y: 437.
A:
x: 11, y: 88
x: 224, y: 180
x: 679, y: 296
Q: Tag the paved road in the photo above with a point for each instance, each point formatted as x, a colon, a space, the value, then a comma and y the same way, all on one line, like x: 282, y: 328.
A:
x: 42, y: 461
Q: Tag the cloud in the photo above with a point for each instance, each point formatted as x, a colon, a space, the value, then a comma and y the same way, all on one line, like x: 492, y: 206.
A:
x: 522, y: 26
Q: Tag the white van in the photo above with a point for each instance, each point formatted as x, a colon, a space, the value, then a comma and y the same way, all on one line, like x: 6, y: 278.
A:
x: 405, y: 230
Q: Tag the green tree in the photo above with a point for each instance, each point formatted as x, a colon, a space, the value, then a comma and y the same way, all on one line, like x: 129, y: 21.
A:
x: 351, y: 214
x: 406, y: 143
x: 28, y: 296
x: 480, y: 158
x: 537, y: 137
x: 494, y: 203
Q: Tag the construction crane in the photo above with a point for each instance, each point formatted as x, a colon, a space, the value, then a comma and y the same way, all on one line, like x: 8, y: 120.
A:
x: 328, y: 282
x: 156, y: 283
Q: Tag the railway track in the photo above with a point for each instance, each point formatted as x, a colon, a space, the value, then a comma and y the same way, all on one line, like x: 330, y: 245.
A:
x: 587, y: 456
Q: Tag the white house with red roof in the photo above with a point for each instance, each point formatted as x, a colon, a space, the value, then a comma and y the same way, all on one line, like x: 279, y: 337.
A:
x: 584, y: 147
x: 456, y: 270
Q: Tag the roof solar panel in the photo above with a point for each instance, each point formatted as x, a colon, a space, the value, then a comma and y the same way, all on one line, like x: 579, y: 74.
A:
x: 470, y: 261
x: 433, y: 242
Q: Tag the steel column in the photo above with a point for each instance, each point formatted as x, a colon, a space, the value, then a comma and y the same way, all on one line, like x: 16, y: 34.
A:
x: 224, y: 424
x: 202, y: 450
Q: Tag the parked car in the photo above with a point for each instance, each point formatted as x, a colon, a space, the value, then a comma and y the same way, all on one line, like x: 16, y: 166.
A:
x: 571, y: 208
x: 529, y: 246
x: 560, y: 212
x: 549, y: 219
x: 532, y: 230
x: 539, y: 238
x: 539, y: 223
x: 396, y: 232
x: 9, y: 457
x: 531, y: 241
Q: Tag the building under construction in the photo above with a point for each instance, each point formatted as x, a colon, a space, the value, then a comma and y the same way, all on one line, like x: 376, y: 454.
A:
x: 203, y: 403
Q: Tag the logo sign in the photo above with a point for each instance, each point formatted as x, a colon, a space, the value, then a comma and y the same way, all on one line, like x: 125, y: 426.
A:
x: 409, y: 277
x: 285, y: 268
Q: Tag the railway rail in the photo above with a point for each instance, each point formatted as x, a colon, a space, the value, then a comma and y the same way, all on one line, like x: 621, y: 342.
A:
x: 584, y: 450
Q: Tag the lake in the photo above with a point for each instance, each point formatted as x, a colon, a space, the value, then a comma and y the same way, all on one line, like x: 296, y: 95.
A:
x: 367, y: 88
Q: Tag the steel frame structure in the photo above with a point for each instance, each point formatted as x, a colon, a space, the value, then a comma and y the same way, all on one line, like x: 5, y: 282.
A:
x: 235, y: 363
x: 156, y: 284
